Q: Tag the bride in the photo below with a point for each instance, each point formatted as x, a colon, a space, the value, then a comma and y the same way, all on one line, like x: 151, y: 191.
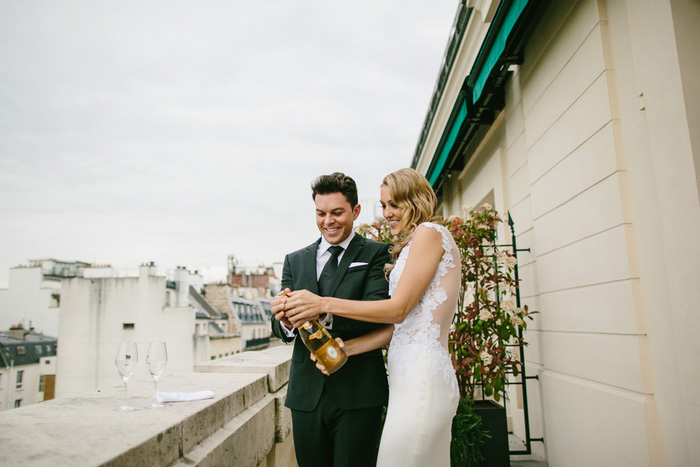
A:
x: 423, y: 284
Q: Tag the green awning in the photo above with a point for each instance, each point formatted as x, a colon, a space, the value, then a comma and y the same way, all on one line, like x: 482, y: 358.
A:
x: 446, y: 146
x: 493, y: 54
x: 508, y: 21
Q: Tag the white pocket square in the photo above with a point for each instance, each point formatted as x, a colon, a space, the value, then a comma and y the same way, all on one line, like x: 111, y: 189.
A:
x: 355, y: 265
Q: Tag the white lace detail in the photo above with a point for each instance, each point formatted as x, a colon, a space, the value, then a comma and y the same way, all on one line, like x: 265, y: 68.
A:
x: 418, y: 329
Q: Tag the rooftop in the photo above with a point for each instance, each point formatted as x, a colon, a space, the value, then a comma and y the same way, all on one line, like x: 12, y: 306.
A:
x: 28, y: 350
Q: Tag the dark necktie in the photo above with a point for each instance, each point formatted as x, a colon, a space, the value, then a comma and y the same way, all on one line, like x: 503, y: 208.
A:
x: 324, y: 281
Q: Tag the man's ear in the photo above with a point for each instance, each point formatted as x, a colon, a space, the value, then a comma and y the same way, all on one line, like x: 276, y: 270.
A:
x: 356, y: 211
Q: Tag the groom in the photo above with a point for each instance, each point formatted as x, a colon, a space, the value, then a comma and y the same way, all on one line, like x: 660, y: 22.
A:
x: 336, y: 419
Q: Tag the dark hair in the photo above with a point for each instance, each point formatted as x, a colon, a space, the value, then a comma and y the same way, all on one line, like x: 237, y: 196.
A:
x: 335, y: 183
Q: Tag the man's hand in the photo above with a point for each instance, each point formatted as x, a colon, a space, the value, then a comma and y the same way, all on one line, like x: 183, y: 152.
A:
x: 303, y: 306
x: 319, y: 365
x: 278, y: 306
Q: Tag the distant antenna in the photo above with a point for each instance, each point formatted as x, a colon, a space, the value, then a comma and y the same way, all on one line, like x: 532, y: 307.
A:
x: 232, y: 263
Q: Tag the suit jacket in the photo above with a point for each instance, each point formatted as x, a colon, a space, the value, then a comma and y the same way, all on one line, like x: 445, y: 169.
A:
x: 362, y: 381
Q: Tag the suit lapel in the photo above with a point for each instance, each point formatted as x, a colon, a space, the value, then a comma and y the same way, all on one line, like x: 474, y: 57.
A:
x: 310, y: 267
x: 348, y: 257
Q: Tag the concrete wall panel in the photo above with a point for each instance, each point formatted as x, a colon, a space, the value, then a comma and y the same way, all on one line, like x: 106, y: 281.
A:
x: 595, y: 210
x: 582, y: 120
x: 611, y: 359
x: 572, y: 81
x: 594, y: 260
x: 519, y: 186
x: 565, y: 26
x: 605, y: 308
x: 516, y: 155
x: 591, y: 424
x: 587, y: 165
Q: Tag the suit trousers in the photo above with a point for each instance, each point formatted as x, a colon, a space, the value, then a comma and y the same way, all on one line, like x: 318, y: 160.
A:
x: 329, y: 436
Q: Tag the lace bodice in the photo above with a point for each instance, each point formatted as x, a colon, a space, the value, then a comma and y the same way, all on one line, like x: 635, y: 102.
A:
x: 428, y: 323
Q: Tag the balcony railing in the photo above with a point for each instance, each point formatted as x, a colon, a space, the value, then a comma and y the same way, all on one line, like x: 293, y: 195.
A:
x: 245, y: 424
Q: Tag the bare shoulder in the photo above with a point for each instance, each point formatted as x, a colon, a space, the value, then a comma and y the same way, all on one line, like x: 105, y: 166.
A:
x: 428, y: 230
x: 427, y: 236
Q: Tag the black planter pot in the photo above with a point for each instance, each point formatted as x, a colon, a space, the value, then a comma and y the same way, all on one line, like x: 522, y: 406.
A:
x: 495, y: 448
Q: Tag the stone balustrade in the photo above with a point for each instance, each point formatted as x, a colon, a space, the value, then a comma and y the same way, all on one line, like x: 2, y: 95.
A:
x: 245, y: 424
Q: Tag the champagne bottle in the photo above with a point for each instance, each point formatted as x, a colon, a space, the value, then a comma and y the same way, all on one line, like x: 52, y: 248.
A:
x: 320, y: 342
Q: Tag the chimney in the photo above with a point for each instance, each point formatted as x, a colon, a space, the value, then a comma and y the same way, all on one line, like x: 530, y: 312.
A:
x: 183, y: 286
x: 17, y: 332
x: 148, y: 269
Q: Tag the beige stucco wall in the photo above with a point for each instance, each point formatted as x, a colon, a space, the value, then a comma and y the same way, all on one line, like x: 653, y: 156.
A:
x: 93, y: 312
x: 219, y: 348
x: 593, y: 156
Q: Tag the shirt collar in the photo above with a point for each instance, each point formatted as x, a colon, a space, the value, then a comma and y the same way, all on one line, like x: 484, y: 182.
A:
x: 324, y: 245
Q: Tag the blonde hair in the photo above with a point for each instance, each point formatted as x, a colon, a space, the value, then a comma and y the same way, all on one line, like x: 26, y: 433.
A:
x: 411, y: 192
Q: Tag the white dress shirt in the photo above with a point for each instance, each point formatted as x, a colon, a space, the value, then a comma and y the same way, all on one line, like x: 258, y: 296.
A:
x: 322, y: 257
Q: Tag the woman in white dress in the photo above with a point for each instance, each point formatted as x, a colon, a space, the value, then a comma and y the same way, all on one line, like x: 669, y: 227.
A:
x: 423, y: 284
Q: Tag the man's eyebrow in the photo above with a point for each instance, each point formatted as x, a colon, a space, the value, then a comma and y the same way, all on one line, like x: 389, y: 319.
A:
x: 334, y: 210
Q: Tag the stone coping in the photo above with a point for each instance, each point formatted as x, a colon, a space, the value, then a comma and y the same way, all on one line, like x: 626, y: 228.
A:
x: 274, y: 362
x: 85, y: 430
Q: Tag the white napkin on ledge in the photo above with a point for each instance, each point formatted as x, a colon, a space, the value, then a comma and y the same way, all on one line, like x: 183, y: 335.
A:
x: 184, y: 396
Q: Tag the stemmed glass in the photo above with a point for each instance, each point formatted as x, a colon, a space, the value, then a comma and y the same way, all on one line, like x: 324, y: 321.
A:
x: 156, y: 358
x: 126, y: 360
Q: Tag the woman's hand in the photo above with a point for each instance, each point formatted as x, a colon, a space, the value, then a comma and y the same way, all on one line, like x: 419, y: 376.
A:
x: 303, y: 306
x: 320, y: 366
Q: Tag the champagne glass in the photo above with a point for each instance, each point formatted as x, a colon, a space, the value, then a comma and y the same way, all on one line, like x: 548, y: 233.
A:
x: 156, y: 358
x: 126, y: 360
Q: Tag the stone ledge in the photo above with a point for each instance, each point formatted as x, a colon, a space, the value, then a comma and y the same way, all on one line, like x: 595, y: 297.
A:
x: 274, y: 362
x: 243, y: 420
x: 245, y: 440
x: 85, y: 430
x: 283, y: 416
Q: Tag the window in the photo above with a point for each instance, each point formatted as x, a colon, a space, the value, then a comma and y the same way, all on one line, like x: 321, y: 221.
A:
x: 128, y: 325
x: 37, y: 349
x: 20, y: 376
x: 41, y: 383
x: 20, y: 350
x: 18, y: 403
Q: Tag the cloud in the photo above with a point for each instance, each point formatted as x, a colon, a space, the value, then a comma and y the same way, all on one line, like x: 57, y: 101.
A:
x: 182, y: 132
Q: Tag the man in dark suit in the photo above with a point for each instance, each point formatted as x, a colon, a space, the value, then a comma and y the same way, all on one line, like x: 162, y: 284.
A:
x: 336, y: 419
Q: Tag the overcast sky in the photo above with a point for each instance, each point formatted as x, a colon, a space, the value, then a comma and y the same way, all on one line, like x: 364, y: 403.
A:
x: 181, y: 132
